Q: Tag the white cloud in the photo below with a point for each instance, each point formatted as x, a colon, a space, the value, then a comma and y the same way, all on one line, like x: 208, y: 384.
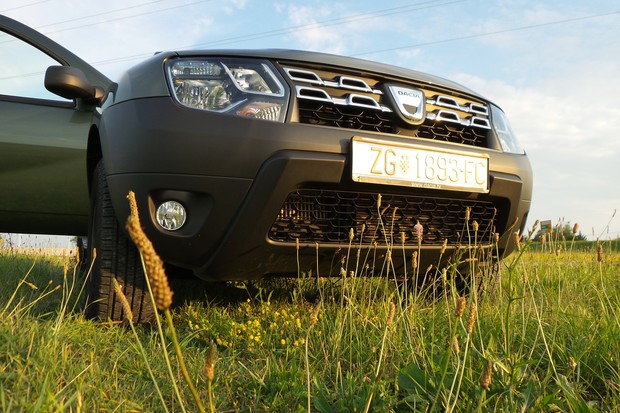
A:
x: 232, y: 6
x: 313, y: 36
x: 337, y: 27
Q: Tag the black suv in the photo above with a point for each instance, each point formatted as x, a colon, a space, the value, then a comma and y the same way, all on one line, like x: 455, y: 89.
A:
x: 251, y: 163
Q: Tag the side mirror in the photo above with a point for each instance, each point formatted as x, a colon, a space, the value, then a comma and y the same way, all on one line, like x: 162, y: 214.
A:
x: 71, y: 83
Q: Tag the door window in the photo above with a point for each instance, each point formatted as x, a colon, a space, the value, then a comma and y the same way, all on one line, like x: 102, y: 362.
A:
x: 22, y: 70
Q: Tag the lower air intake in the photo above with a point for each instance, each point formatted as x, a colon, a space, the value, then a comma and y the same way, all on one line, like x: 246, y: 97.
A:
x: 327, y: 217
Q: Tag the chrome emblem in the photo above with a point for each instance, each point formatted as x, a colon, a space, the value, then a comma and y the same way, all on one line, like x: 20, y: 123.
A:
x: 410, y: 102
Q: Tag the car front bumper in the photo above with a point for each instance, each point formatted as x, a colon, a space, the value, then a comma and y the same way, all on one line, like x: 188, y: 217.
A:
x: 234, y: 177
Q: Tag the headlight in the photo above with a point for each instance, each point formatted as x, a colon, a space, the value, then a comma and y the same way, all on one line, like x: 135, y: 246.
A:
x: 506, y: 136
x: 249, y: 88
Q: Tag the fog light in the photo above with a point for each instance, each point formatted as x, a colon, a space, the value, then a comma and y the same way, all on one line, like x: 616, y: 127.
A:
x: 171, y: 215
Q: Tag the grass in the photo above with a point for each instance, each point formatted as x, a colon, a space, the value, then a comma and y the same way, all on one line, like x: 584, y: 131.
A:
x: 548, y: 340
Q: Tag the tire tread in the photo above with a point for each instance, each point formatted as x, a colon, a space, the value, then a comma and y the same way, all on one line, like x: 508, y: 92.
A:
x: 117, y: 257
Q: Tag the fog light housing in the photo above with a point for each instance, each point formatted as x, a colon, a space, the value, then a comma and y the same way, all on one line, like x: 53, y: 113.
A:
x: 171, y: 215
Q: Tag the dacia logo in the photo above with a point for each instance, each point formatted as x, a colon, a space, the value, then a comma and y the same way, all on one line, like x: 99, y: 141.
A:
x: 410, y: 103
x: 410, y: 93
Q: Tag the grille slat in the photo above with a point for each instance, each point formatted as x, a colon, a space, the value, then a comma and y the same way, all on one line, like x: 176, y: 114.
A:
x: 326, y: 217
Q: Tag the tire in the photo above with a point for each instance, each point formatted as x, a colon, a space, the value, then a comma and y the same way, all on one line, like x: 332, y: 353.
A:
x: 115, y: 256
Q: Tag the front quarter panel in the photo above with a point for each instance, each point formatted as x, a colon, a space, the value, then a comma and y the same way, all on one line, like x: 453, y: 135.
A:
x: 146, y: 79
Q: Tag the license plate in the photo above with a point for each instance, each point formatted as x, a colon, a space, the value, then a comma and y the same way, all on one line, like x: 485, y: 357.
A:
x: 391, y: 163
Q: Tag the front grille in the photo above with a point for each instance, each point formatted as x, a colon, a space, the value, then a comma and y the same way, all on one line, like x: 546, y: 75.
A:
x: 327, y: 217
x: 336, y: 98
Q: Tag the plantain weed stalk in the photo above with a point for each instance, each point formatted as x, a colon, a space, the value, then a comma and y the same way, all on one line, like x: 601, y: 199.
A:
x: 161, y: 295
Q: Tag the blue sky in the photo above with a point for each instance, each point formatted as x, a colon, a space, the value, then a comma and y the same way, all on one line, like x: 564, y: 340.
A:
x: 553, y: 66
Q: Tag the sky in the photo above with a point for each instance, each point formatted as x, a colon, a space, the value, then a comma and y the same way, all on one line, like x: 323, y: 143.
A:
x: 552, y: 65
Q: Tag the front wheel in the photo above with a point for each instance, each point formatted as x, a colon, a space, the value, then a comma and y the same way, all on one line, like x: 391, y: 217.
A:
x: 115, y: 256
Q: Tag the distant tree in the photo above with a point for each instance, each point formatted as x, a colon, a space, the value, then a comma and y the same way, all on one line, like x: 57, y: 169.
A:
x: 561, y: 232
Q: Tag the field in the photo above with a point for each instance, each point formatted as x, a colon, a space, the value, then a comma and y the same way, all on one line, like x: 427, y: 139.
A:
x: 547, y: 339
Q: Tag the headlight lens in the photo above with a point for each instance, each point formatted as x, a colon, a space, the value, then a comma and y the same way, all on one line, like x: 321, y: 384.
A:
x: 249, y: 88
x: 506, y: 136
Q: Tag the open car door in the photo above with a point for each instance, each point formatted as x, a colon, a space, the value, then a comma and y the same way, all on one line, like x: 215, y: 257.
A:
x: 43, y: 136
